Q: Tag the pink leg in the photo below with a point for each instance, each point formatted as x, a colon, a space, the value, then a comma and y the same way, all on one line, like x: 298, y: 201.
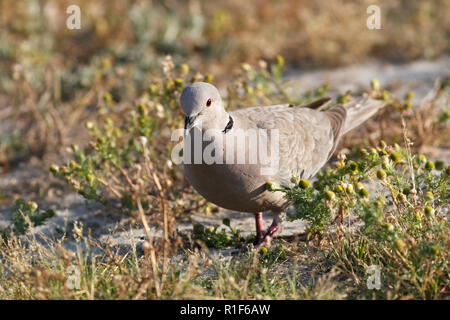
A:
x: 259, y: 227
x: 274, y: 227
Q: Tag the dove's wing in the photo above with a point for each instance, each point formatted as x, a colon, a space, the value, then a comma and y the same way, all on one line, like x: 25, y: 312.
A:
x: 306, y: 137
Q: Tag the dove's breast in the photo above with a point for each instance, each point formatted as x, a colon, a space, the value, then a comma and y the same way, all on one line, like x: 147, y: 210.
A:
x: 235, y: 187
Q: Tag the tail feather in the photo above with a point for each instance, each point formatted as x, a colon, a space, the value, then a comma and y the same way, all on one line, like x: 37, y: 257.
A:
x: 358, y: 111
x: 350, y: 115
x: 344, y: 118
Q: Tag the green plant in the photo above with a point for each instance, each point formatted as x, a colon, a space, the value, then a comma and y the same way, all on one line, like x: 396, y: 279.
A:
x: 26, y: 214
x: 402, y: 227
x: 212, y: 237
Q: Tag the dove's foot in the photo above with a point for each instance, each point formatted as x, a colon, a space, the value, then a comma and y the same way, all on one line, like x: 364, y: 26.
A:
x: 259, y: 228
x: 268, y: 237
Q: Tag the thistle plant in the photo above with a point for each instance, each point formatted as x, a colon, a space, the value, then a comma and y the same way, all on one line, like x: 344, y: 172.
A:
x: 401, y: 226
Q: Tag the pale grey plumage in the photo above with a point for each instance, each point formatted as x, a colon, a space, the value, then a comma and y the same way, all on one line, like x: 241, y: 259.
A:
x: 307, y: 139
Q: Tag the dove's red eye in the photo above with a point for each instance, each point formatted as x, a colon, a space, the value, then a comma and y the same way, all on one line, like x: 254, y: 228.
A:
x: 208, y: 103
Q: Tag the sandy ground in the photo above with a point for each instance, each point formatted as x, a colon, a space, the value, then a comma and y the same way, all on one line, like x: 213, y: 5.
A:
x: 117, y: 230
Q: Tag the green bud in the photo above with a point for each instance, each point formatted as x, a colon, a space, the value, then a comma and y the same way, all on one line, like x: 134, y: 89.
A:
x: 184, y: 68
x: 178, y: 82
x: 107, y: 97
x: 429, y: 196
x: 439, y: 164
x: 429, y: 211
x: 89, y: 125
x: 295, y: 179
x: 408, y: 105
x: 363, y: 152
x: 378, y: 204
x: 208, y: 78
x: 89, y: 178
x: 373, y: 151
x: 399, y: 244
x: 406, y: 191
x: 198, y: 229
x: 364, y: 192
x: 342, y: 98
x: 381, y: 174
x: 382, y: 144
x: 421, y: 159
x: 246, y: 67
x: 329, y: 195
x: 389, y: 227
x: 353, y: 166
x: 429, y: 165
x: 434, y: 250
x: 33, y: 205
x: 54, y: 168
x: 395, y: 157
x: 226, y: 222
x: 375, y: 84
x: 152, y: 89
x: 303, y: 184
x: 349, y: 188
x: 142, y: 108
x: 279, y: 60
x: 72, y: 164
x: 409, y: 95
x: 270, y: 186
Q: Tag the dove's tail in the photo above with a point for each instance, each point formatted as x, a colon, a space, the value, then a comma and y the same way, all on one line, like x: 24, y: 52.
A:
x: 352, y: 114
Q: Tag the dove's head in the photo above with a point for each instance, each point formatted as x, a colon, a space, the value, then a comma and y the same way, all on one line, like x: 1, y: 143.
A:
x: 201, y: 102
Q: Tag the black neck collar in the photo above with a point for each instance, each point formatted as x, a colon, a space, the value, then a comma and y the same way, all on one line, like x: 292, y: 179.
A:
x: 229, y: 125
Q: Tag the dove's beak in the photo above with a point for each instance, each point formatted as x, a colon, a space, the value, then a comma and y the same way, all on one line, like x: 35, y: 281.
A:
x: 189, y: 122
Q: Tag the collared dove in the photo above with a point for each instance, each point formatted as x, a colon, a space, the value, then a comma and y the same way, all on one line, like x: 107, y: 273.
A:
x: 306, y: 138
